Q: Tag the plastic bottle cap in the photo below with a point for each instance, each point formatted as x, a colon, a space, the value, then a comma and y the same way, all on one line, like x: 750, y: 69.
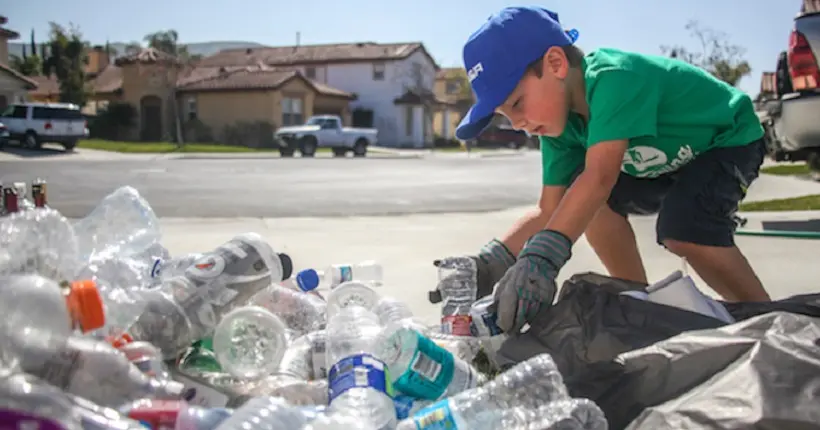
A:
x: 86, y: 305
x: 307, y: 280
x: 287, y: 266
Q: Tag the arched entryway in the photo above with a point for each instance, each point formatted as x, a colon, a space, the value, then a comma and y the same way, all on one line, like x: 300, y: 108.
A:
x: 151, y: 119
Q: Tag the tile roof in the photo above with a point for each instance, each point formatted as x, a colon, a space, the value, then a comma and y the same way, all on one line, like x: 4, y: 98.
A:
x: 257, y: 77
x: 30, y: 83
x: 147, y: 56
x: 302, y: 54
x: 107, y: 81
x: 416, y: 97
x: 448, y: 72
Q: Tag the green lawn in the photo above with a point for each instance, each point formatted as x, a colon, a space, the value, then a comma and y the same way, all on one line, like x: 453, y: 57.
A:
x: 166, y: 147
x: 786, y: 169
x: 806, y: 203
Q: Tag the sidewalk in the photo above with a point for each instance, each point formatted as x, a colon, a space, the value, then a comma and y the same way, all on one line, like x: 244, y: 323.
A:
x: 407, y: 245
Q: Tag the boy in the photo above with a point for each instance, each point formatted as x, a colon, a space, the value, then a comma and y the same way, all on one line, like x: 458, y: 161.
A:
x: 621, y: 133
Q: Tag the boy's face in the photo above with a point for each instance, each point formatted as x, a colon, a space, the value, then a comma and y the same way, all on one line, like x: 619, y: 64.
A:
x: 539, y: 104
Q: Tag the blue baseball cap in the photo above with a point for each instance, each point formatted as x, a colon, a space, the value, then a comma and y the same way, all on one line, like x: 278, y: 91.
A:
x: 496, y: 57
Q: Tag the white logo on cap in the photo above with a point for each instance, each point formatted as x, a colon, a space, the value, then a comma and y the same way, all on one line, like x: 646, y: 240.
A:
x: 473, y: 73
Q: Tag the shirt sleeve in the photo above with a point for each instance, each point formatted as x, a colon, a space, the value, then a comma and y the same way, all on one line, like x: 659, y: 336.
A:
x: 622, y: 105
x: 560, y: 161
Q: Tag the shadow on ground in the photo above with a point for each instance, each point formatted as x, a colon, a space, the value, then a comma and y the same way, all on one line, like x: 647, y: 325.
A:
x: 812, y: 225
x: 45, y: 151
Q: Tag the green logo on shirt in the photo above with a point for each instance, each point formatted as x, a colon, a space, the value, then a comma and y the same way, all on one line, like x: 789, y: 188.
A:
x: 651, y: 162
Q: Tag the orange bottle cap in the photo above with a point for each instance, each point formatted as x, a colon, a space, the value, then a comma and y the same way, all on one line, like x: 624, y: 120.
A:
x: 120, y: 341
x: 86, y: 305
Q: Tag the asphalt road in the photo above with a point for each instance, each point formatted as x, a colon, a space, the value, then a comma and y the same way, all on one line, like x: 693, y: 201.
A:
x: 290, y: 187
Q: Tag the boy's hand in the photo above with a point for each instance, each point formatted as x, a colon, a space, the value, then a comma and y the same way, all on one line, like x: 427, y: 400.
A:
x: 530, y: 282
x: 492, y: 262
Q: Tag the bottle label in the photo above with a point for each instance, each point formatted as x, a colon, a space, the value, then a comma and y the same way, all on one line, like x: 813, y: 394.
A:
x: 359, y: 371
x: 438, y: 416
x: 159, y: 414
x: 457, y: 325
x: 430, y: 371
x: 156, y: 269
x: 485, y: 324
x: 200, y: 394
x: 403, y: 404
x: 345, y: 274
x: 20, y: 420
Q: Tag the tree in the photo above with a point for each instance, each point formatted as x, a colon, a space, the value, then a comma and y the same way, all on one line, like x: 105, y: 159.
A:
x: 717, y: 54
x: 66, y: 60
x: 168, y: 42
x: 29, y: 65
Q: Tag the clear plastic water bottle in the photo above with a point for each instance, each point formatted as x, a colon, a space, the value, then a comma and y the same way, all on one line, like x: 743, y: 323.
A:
x: 145, y: 356
x: 302, y: 313
x: 368, y: 272
x: 422, y: 369
x: 485, y: 326
x: 359, y: 381
x: 295, y: 391
x: 569, y: 414
x: 306, y: 357
x: 249, y: 342
x: 529, y: 384
x: 339, y: 421
x: 39, y: 315
x: 458, y: 288
x: 38, y: 242
x: 122, y: 224
x: 351, y: 293
x: 199, y: 418
x: 186, y: 309
x: 26, y: 402
x: 265, y: 413
x: 97, y: 371
x: 167, y: 268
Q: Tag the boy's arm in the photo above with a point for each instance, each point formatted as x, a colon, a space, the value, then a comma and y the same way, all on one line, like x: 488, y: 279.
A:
x: 535, y: 220
x: 589, y: 191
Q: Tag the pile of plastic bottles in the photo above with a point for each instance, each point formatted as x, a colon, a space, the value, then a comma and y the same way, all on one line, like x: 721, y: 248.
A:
x: 102, y: 329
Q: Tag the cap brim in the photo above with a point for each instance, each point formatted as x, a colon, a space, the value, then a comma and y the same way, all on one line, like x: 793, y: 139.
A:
x: 480, y: 115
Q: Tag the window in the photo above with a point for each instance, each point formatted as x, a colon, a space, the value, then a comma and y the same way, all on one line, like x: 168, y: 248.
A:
x: 55, y: 113
x: 310, y: 72
x: 408, y: 120
x: 15, y: 111
x: 291, y: 111
x: 378, y: 71
x: 452, y: 87
x: 191, y: 108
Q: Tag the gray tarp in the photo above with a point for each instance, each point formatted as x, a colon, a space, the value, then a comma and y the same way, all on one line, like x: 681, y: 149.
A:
x: 590, y: 325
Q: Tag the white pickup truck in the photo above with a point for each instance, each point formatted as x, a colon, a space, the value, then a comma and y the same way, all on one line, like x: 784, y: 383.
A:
x: 324, y: 131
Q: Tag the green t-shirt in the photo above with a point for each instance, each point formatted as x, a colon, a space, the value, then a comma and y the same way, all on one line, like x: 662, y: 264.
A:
x: 669, y: 111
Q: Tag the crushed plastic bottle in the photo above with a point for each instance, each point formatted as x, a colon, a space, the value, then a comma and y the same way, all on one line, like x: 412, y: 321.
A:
x: 351, y: 293
x: 473, y: 409
x: 458, y: 288
x: 38, y: 242
x: 122, y: 224
x: 250, y: 341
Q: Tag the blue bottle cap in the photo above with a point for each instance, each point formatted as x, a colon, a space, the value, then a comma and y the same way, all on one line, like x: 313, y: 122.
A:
x: 307, y: 280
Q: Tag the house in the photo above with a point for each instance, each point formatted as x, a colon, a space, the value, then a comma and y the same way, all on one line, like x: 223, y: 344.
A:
x: 170, y: 96
x: 393, y: 83
x: 452, y: 86
x: 13, y: 85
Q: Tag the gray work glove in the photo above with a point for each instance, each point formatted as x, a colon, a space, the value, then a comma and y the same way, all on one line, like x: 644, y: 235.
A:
x: 492, y: 261
x: 530, y: 283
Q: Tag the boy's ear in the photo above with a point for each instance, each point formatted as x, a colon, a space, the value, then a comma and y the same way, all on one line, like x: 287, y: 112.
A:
x: 556, y: 63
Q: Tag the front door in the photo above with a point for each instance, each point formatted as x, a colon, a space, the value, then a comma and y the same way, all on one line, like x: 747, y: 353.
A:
x: 151, y: 119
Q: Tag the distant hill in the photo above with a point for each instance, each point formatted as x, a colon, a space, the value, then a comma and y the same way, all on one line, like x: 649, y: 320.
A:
x: 202, y: 48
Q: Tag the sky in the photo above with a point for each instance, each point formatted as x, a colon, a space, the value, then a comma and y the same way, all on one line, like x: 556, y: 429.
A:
x: 761, y: 26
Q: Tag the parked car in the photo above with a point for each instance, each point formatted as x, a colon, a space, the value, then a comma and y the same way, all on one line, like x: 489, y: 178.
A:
x: 4, y: 136
x: 502, y: 136
x: 791, y: 120
x: 325, y: 131
x: 32, y: 124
